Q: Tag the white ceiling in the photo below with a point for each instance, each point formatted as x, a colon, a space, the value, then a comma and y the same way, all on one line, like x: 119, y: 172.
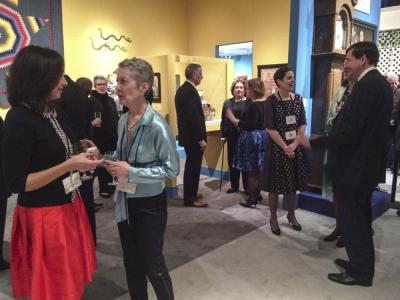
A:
x: 390, y: 18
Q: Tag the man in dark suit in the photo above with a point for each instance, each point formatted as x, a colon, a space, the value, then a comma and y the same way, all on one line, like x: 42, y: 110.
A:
x: 4, y: 194
x: 357, y: 146
x: 191, y: 133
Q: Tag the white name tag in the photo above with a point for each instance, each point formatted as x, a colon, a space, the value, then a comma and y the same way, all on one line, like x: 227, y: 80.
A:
x: 290, y: 135
x: 290, y: 120
x: 125, y: 186
x: 72, y: 182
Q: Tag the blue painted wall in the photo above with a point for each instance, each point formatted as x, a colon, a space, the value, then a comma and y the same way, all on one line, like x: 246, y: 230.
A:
x: 374, y: 16
x: 243, y: 64
x: 301, y: 43
x: 300, y: 50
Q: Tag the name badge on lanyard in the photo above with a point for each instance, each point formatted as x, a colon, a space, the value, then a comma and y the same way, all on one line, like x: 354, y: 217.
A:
x: 125, y: 186
x: 72, y: 182
x: 290, y: 120
x: 290, y: 135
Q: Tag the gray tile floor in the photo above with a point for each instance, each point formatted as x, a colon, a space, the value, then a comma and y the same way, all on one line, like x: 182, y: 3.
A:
x: 228, y: 252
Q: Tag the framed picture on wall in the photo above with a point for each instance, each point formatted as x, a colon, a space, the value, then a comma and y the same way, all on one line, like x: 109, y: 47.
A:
x: 157, y: 87
x: 362, y: 32
x: 266, y: 73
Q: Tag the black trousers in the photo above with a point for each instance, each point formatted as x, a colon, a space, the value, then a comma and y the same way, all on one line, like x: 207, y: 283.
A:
x: 234, y: 174
x: 191, y: 175
x: 86, y: 190
x: 355, y: 219
x: 104, y: 178
x: 3, y: 214
x: 142, y: 243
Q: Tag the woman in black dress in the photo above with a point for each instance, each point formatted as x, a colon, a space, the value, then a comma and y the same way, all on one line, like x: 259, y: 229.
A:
x: 286, y: 166
x: 230, y: 133
x: 250, y: 150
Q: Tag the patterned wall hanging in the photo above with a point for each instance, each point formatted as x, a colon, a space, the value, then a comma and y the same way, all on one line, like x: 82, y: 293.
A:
x: 389, y: 50
x: 24, y: 22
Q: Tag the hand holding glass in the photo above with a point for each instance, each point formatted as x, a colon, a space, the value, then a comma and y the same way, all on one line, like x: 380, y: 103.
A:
x: 111, y: 155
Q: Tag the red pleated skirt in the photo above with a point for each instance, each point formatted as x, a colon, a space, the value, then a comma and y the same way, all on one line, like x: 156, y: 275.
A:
x: 52, y: 252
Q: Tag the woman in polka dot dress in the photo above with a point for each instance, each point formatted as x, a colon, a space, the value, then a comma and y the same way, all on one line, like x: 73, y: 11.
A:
x: 286, y: 166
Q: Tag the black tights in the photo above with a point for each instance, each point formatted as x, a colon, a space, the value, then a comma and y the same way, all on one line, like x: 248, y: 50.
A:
x: 253, y: 182
x: 273, y: 203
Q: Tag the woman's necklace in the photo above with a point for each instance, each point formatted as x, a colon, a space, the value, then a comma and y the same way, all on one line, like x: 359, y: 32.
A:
x: 132, y: 126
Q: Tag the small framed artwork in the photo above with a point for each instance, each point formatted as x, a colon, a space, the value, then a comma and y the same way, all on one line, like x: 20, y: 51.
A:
x: 362, y: 32
x: 266, y: 73
x: 157, y: 87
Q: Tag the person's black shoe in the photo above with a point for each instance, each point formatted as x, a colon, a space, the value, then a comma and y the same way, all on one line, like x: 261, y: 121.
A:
x: 379, y: 189
x: 395, y: 205
x: 231, y: 190
x: 293, y: 222
x: 333, y: 236
x: 249, y: 203
x: 98, y: 205
x: 344, y: 264
x: 275, y: 230
x: 340, y: 243
x: 346, y: 279
x: 4, y: 265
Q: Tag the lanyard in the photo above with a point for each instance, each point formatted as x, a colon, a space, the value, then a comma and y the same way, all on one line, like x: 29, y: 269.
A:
x: 128, y: 148
x: 284, y: 106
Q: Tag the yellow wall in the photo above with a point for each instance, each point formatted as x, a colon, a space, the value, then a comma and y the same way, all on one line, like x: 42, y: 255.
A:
x: 160, y: 27
x: 265, y: 22
x: 188, y: 27
x: 155, y: 26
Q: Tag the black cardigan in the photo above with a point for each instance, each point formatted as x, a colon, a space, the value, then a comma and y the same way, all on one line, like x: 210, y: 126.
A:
x: 30, y: 145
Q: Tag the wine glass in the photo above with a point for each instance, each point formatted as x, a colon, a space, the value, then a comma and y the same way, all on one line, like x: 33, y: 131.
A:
x: 97, y: 114
x: 77, y: 148
x: 112, y: 156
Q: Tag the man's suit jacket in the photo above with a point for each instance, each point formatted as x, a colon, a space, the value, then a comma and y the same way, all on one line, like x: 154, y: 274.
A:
x: 4, y: 193
x: 77, y: 107
x: 189, y: 112
x: 357, y: 143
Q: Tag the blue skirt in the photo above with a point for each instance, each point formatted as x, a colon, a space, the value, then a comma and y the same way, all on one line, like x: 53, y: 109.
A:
x: 250, y: 151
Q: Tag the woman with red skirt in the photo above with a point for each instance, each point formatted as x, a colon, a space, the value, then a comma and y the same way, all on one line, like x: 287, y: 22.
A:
x: 52, y: 248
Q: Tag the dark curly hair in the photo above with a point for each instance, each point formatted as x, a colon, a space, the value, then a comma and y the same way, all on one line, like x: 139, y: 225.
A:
x: 33, y: 74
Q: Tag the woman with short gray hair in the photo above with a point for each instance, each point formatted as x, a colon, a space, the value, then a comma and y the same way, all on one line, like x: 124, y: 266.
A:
x: 146, y: 156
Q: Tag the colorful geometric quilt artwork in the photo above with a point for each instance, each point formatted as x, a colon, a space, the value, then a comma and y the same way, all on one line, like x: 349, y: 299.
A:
x: 14, y: 34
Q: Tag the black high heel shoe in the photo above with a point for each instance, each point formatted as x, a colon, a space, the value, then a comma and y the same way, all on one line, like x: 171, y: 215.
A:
x: 276, y: 231
x: 249, y: 203
x: 333, y: 236
x: 297, y: 226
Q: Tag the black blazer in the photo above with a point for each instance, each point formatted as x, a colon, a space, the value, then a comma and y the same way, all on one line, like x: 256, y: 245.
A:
x: 190, y: 116
x: 106, y: 136
x: 3, y: 190
x: 226, y: 127
x: 76, y: 106
x: 357, y: 143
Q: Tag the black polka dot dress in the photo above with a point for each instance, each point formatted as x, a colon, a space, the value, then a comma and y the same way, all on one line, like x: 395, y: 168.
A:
x: 284, y: 175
